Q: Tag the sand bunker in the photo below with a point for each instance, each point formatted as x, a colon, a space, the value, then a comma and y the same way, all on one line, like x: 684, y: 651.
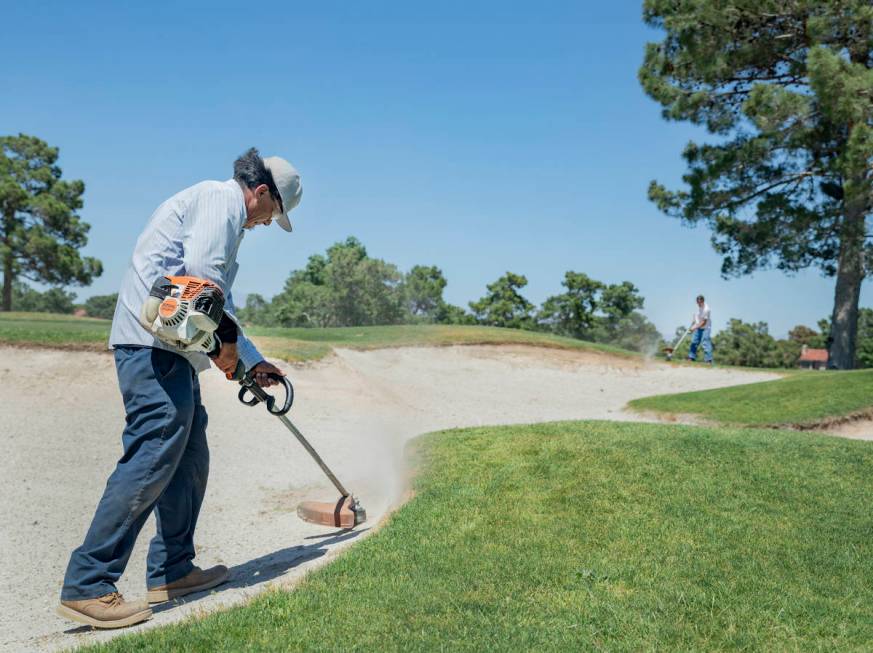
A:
x: 61, y: 418
x: 861, y: 429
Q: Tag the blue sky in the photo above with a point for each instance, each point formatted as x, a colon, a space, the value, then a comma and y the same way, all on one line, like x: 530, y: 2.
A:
x: 477, y: 136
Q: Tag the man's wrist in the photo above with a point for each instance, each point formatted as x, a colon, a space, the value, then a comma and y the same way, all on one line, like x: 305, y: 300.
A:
x: 248, y: 354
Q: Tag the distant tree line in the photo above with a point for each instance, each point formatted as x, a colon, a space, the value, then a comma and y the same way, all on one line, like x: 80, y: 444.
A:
x: 53, y: 300
x: 58, y: 300
x: 102, y: 306
x: 347, y: 287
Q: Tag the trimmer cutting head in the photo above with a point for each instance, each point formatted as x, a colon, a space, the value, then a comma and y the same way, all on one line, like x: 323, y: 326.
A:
x: 344, y: 513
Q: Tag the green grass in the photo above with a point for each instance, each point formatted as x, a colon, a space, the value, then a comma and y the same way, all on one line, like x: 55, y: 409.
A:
x: 38, y: 329
x: 804, y: 398
x: 581, y: 536
x: 299, y: 344
x: 781, y: 371
x: 53, y: 330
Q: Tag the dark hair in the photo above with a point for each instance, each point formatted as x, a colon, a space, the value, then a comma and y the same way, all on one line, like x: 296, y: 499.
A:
x: 250, y: 171
x: 700, y: 298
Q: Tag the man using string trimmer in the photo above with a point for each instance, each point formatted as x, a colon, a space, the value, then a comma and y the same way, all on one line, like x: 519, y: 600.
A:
x: 174, y: 309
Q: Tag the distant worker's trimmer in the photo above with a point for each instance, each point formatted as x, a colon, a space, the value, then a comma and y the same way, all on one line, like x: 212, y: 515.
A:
x: 347, y: 512
x: 669, y: 350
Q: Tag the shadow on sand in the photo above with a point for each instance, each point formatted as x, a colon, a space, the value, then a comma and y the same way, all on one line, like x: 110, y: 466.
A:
x: 261, y: 570
x: 269, y: 567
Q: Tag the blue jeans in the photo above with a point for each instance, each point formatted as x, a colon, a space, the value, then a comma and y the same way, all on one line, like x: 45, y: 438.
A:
x: 164, y: 468
x: 701, y: 335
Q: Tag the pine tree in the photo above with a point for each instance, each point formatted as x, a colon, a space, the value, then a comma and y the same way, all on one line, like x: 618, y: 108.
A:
x: 787, y: 88
x: 503, y: 305
x: 40, y: 232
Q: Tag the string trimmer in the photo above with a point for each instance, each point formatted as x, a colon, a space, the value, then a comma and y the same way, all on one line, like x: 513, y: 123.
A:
x: 188, y: 314
x: 669, y: 350
x: 347, y: 512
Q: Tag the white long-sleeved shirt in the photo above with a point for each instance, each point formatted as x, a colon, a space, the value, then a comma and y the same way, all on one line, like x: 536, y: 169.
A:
x: 702, y: 315
x: 197, y: 232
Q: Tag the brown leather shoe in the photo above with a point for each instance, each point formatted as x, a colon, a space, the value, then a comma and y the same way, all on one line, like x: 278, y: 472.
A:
x: 197, y: 581
x: 107, y: 611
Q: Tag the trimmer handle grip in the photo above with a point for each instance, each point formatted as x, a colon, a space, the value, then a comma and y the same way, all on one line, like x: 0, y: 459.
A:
x: 289, y: 394
x: 258, y: 394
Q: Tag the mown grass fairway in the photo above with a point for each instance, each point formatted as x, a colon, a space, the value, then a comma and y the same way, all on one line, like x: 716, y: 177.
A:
x: 299, y: 344
x: 803, y: 398
x: 53, y: 330
x: 584, y: 536
x: 43, y: 329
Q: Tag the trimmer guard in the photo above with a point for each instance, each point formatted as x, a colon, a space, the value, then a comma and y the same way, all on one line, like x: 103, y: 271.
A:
x: 345, y: 513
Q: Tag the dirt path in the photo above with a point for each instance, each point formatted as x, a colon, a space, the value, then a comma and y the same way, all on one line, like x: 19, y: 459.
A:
x: 60, y: 422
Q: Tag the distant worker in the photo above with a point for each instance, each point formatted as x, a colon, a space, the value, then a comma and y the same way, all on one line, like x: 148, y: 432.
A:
x: 702, y: 330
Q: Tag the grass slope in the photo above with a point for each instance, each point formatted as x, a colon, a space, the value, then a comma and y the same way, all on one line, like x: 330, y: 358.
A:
x: 39, y: 329
x: 53, y: 330
x: 806, y: 398
x: 589, y: 536
x: 298, y: 343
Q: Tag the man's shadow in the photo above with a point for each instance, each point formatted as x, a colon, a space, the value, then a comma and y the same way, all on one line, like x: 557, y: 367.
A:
x: 269, y: 567
x: 260, y: 570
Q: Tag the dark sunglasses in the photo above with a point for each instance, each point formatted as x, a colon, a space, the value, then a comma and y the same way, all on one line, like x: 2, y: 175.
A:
x: 274, y: 191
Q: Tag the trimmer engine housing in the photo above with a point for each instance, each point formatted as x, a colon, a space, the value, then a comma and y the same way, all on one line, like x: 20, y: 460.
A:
x: 184, y: 312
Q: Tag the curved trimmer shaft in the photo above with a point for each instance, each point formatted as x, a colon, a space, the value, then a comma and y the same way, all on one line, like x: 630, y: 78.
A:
x: 345, y: 513
x: 312, y: 452
x: 669, y: 350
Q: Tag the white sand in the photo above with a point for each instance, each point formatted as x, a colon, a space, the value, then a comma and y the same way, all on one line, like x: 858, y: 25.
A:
x: 61, y: 417
x: 861, y: 429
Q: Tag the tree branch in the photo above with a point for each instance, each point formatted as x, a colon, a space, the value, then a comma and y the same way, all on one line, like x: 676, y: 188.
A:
x: 788, y: 180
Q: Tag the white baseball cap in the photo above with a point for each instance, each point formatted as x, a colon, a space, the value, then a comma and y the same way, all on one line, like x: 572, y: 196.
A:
x: 290, y: 190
